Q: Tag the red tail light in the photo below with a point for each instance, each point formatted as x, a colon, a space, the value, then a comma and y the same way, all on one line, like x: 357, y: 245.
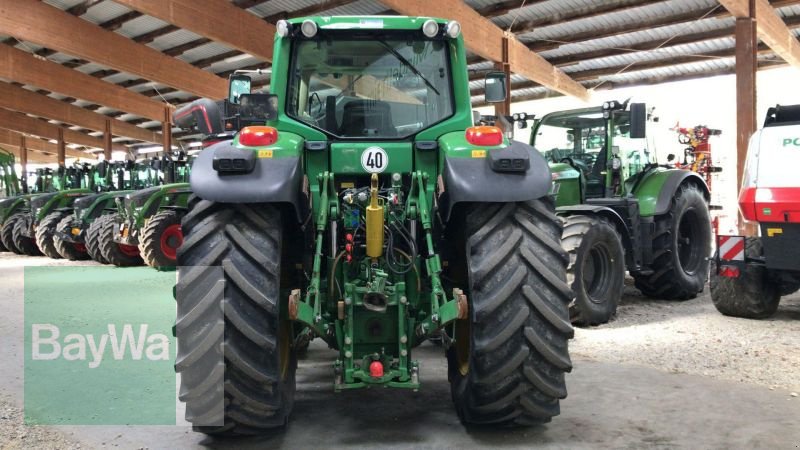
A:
x: 484, y: 136
x: 747, y: 203
x: 729, y: 272
x: 258, y: 136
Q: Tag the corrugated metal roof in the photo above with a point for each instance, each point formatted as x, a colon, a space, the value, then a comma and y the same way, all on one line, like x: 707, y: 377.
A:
x: 572, y: 34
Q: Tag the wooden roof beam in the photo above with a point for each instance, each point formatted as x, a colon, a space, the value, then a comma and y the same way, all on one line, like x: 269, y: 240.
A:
x: 483, y: 37
x: 595, y: 74
x: 242, y: 30
x: 25, y: 68
x: 28, y: 102
x: 74, y: 36
x: 771, y: 29
x: 21, y: 123
x: 763, y: 65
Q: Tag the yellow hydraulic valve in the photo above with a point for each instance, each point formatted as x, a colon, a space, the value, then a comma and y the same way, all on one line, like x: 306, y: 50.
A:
x: 374, y: 221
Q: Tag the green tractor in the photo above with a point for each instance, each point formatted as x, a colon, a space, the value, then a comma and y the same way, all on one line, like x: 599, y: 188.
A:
x: 34, y: 232
x: 76, y: 235
x: 368, y: 208
x: 147, y: 225
x: 16, y: 210
x: 621, y: 210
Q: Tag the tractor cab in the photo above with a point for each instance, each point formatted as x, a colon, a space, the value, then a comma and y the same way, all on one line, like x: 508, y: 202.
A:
x: 606, y: 145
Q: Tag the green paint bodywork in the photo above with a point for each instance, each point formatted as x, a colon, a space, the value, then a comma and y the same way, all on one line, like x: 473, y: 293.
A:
x: 416, y: 303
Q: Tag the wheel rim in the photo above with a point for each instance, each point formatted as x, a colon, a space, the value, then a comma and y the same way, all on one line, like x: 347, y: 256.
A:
x: 596, y: 273
x: 690, y: 252
x: 462, y: 345
x: 79, y: 247
x: 129, y: 250
x: 171, y: 240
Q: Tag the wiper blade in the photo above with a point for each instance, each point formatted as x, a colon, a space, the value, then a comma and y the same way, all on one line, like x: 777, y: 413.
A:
x: 408, y: 64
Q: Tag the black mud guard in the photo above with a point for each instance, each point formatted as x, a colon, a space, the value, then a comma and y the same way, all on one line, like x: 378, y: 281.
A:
x: 609, y: 214
x: 476, y: 180
x: 272, y: 180
x: 670, y: 186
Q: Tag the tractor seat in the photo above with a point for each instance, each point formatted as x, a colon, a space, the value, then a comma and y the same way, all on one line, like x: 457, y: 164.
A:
x: 365, y: 118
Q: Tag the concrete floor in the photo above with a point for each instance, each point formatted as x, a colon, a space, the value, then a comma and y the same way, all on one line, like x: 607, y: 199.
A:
x: 609, y: 405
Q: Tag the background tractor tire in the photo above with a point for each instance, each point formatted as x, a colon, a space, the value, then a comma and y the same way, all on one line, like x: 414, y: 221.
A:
x: 68, y: 250
x: 26, y: 245
x: 7, y: 233
x: 46, y: 231
x: 117, y: 254
x: 681, y: 246
x: 753, y: 295
x: 93, y: 239
x: 507, y: 363
x: 256, y: 371
x: 596, y: 270
x: 160, y: 239
x: 3, y: 247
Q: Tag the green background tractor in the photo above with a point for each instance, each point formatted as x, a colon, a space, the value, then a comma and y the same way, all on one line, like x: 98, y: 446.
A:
x: 146, y: 227
x: 367, y: 208
x: 75, y: 238
x: 54, y: 193
x: 622, y: 210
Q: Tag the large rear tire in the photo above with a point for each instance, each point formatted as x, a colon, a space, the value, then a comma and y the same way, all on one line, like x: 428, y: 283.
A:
x: 93, y: 238
x: 681, y: 246
x: 68, y: 250
x: 256, y: 371
x: 7, y: 233
x: 115, y: 253
x: 753, y: 295
x: 596, y: 270
x: 45, y: 232
x: 26, y: 245
x: 507, y: 363
x: 161, y: 237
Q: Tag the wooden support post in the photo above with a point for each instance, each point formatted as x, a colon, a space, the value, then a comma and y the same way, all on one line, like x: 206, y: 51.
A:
x: 504, y: 108
x: 107, y: 141
x: 23, y: 162
x: 166, y: 131
x: 62, y: 148
x: 746, y: 66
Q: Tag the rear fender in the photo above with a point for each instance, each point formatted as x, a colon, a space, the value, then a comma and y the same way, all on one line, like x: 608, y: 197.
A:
x: 612, y: 217
x: 656, y: 190
x: 468, y: 175
x: 277, y: 175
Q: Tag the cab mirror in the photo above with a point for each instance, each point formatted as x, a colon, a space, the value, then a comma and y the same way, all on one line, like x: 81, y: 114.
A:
x: 638, y: 121
x: 495, y: 87
x: 238, y: 84
x: 258, y: 107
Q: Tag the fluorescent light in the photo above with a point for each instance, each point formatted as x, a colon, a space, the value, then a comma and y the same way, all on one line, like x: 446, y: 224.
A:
x: 195, y: 144
x: 153, y: 149
x: 236, y: 58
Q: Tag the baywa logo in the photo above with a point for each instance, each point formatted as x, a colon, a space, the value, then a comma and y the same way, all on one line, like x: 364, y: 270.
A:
x: 48, y: 345
x: 96, y: 355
